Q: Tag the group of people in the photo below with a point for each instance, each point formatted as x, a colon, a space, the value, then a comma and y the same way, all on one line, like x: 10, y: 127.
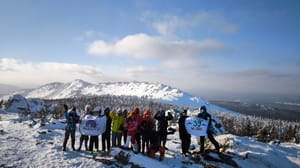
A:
x: 186, y: 137
x: 141, y: 131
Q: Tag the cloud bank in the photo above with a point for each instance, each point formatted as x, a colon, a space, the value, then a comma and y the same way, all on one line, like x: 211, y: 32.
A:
x: 28, y: 74
x: 169, y: 52
x: 169, y: 24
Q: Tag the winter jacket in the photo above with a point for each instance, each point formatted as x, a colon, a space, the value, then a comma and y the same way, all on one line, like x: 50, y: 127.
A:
x: 118, y: 122
x: 108, y: 123
x: 147, y: 125
x: 139, y: 118
x: 71, y: 120
x: 131, y: 126
x: 182, y: 130
x: 162, y: 122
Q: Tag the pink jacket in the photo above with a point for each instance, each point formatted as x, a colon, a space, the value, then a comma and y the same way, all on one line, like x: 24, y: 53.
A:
x: 131, y: 125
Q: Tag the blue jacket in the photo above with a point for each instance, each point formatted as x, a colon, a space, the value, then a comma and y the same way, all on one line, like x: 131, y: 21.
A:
x: 71, y: 120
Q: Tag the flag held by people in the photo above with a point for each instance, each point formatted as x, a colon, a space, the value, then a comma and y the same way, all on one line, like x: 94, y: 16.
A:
x: 92, y: 125
x: 196, y: 126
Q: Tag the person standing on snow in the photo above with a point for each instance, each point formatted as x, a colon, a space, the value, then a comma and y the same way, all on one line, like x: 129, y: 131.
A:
x: 125, y: 114
x: 94, y: 140
x: 118, y: 121
x: 106, y: 135
x: 138, y: 134
x: 85, y: 138
x: 205, y: 115
x: 163, y: 126
x: 147, y: 126
x: 131, y: 125
x: 183, y: 134
x: 71, y: 120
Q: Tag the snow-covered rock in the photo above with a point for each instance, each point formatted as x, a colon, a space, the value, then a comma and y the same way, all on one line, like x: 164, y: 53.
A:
x: 36, y: 105
x: 17, y: 103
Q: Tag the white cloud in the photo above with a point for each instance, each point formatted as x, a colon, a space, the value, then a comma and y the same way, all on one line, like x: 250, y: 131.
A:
x: 142, y: 46
x: 169, y: 24
x: 22, y: 73
x: 140, y: 69
x: 141, y: 72
x: 8, y: 64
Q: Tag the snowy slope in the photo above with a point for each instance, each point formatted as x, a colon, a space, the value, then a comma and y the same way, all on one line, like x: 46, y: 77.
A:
x: 78, y: 88
x: 24, y: 146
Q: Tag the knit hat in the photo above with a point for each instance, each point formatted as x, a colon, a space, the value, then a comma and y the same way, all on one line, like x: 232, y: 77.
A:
x: 203, y: 108
x: 131, y: 114
x: 147, y: 112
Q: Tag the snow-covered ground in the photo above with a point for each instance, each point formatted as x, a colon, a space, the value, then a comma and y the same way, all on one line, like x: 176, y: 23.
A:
x: 25, y: 146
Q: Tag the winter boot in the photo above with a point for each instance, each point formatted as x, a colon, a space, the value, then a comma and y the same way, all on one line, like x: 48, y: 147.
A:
x: 135, y: 148
x: 161, y: 153
x: 64, y: 146
x: 126, y: 146
x: 79, y: 148
x: 73, y: 144
x: 80, y: 144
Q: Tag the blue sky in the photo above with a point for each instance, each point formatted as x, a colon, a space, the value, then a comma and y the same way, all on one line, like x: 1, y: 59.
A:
x: 198, y: 46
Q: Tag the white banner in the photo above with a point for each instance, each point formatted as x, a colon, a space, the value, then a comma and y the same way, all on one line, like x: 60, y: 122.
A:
x: 92, y: 125
x: 196, y: 126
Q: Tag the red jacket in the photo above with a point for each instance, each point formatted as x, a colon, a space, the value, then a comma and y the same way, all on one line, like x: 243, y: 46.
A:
x: 131, y: 125
x: 147, y: 125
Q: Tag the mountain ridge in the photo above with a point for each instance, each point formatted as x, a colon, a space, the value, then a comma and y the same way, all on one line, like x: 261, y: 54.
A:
x: 78, y: 88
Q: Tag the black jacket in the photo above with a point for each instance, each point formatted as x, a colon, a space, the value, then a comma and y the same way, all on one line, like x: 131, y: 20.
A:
x: 182, y: 131
x: 108, y: 123
x: 162, y: 121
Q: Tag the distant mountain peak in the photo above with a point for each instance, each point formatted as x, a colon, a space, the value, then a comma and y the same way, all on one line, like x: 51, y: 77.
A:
x: 79, y: 82
x: 78, y: 88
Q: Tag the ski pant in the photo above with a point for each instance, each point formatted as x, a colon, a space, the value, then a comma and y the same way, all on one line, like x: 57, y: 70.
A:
x: 138, y: 141
x: 212, y: 140
x: 84, y: 138
x: 116, y: 139
x: 124, y: 136
x: 162, y: 138
x: 185, y: 144
x: 67, y: 134
x: 145, y: 142
x: 94, y: 140
x: 105, y: 141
